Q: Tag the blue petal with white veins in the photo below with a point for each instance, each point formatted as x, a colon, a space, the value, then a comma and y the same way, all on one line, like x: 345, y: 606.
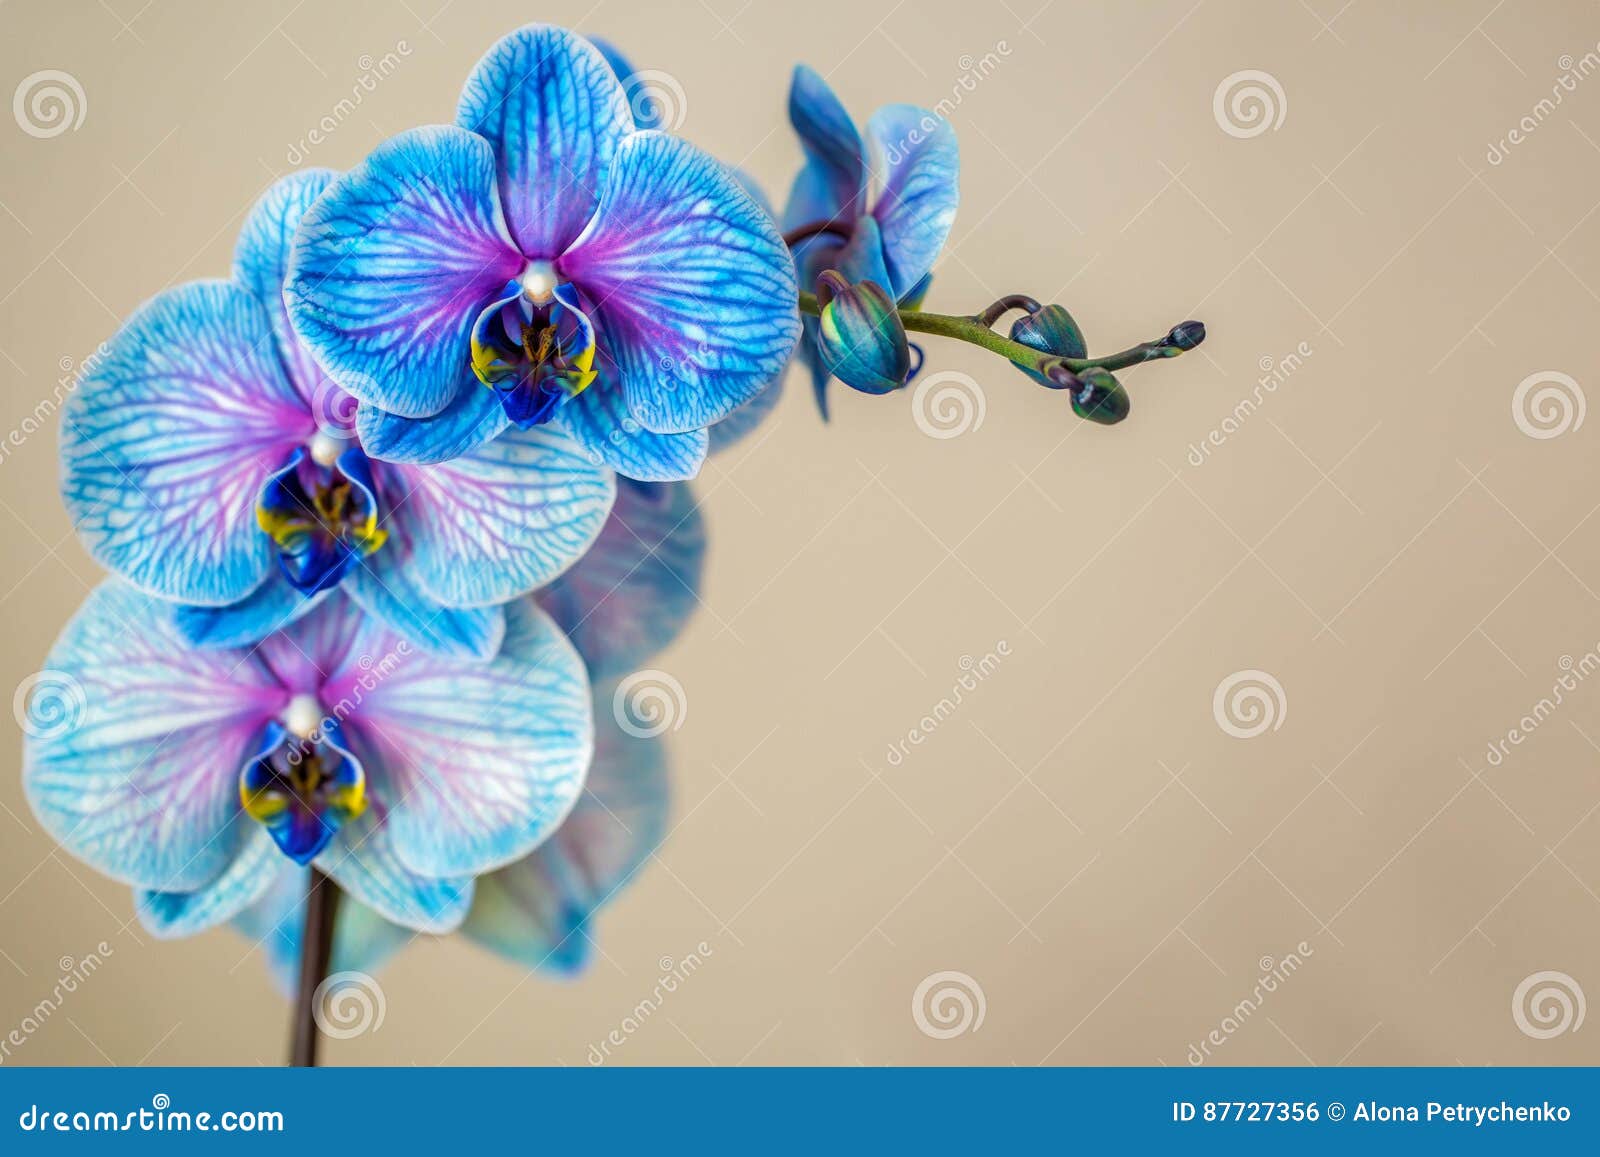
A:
x: 169, y: 915
x: 917, y: 165
x: 598, y: 420
x: 392, y: 264
x: 694, y: 289
x: 555, y: 113
x: 473, y: 417
x: 385, y: 585
x: 165, y: 444
x: 270, y: 607
x: 504, y: 519
x: 261, y: 264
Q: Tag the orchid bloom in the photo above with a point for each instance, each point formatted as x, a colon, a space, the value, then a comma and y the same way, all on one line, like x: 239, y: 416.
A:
x: 627, y: 599
x: 836, y: 222
x: 194, y: 774
x: 209, y: 461
x: 544, y: 261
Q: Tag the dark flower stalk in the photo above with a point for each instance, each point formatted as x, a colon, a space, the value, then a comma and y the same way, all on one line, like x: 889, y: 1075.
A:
x: 316, y: 949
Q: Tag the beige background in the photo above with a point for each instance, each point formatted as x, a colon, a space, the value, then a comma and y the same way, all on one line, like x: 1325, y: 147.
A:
x: 1081, y: 838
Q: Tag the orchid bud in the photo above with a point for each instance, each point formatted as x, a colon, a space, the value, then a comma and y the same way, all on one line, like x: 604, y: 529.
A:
x: 1186, y: 335
x: 860, y: 336
x: 1050, y: 330
x: 1099, y: 397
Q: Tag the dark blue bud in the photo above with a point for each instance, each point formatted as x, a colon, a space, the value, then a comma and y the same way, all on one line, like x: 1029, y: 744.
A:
x: 1187, y: 334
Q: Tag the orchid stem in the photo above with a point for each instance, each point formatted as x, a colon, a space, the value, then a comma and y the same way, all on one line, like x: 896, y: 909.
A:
x: 975, y: 331
x: 316, y: 949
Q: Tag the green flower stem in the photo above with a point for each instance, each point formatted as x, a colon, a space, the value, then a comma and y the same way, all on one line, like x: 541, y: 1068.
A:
x: 973, y: 331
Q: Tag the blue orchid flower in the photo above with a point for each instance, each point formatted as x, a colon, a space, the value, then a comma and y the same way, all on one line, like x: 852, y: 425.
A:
x: 208, y: 460
x: 629, y: 597
x: 538, y: 911
x: 910, y: 156
x: 543, y: 261
x: 194, y: 774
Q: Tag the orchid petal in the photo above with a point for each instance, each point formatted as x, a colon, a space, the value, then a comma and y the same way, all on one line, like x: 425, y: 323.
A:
x: 470, y: 765
x: 392, y: 264
x: 364, y: 860
x: 261, y: 265
x: 270, y: 607
x: 554, y: 113
x: 166, y: 443
x: 535, y: 910
x: 916, y: 166
x: 694, y: 289
x: 502, y: 520
x: 598, y: 420
x: 169, y: 915
x: 385, y: 585
x: 473, y: 417
x: 631, y: 595
x: 134, y: 741
x: 832, y: 185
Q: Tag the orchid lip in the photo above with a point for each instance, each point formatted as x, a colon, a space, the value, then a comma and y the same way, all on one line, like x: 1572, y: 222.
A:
x: 535, y: 345
x: 322, y: 510
x: 302, y: 788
